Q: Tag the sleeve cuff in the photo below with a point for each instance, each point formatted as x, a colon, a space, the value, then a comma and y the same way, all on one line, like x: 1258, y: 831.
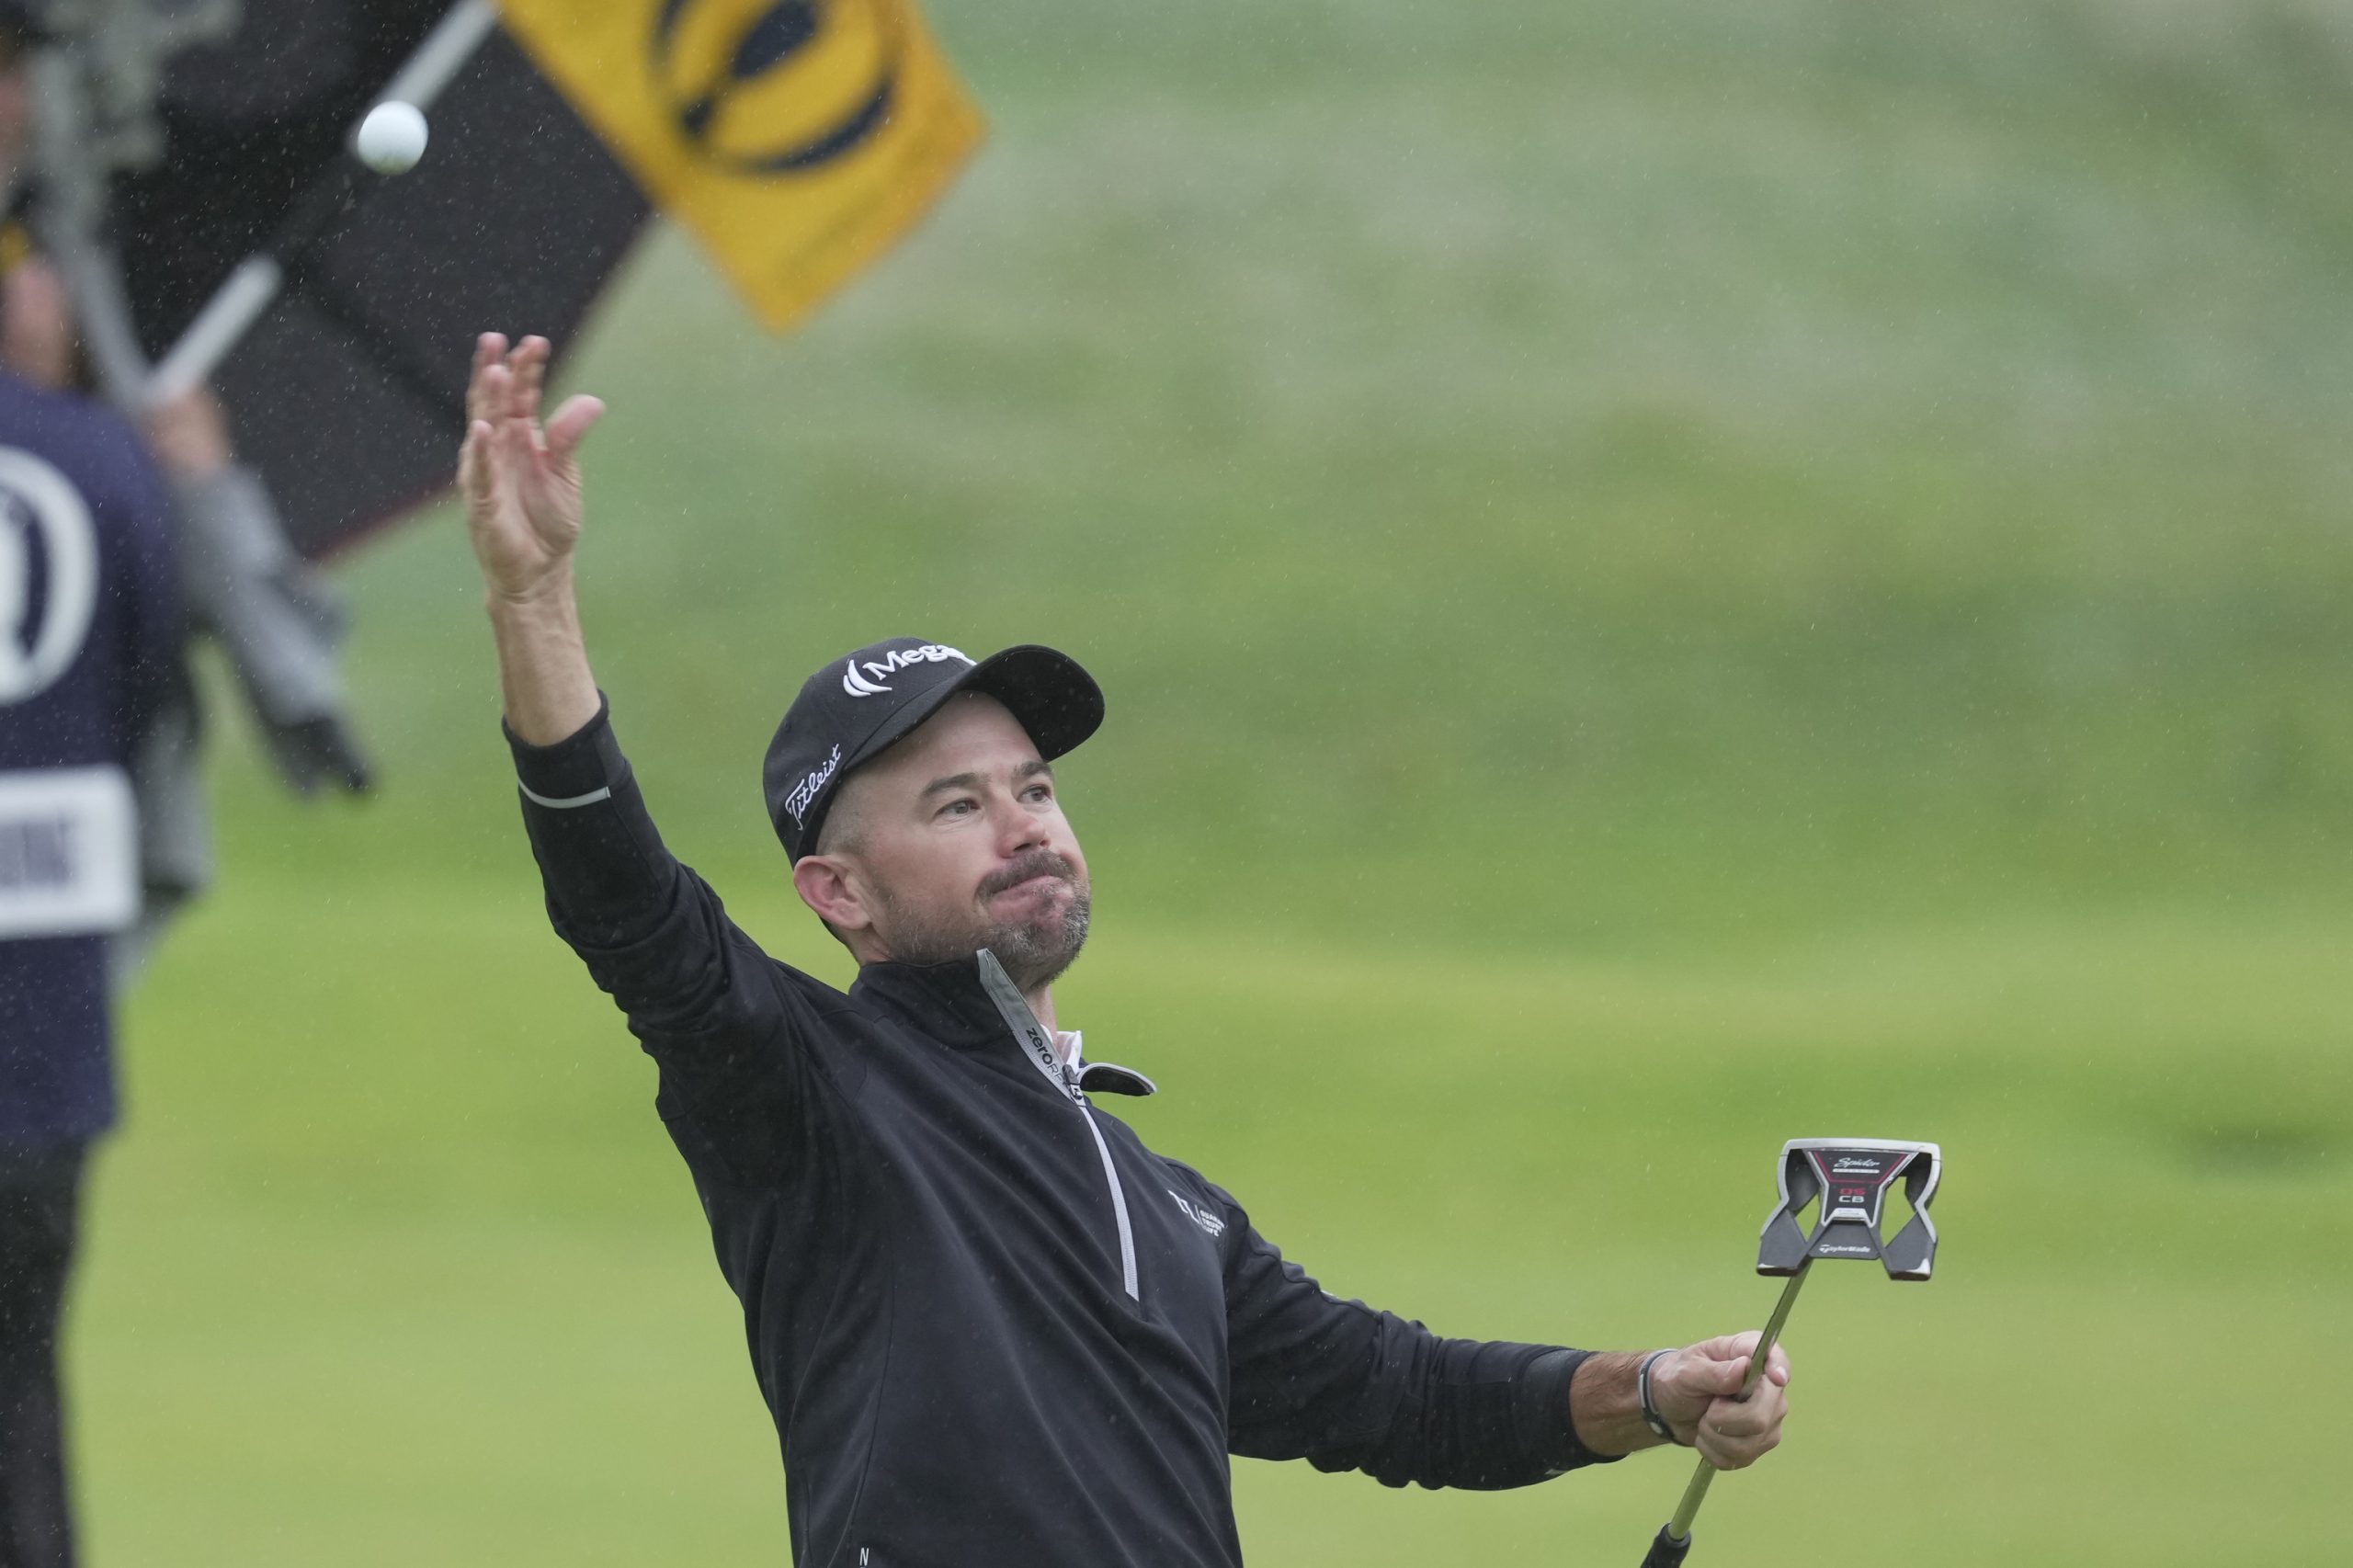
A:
x: 1546, y: 1425
x: 578, y: 770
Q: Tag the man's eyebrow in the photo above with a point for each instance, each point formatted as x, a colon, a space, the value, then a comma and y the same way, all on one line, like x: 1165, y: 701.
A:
x: 953, y: 781
x: 1029, y: 770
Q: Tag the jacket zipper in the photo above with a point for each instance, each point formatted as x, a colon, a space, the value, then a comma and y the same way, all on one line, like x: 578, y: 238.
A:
x: 1035, y: 1044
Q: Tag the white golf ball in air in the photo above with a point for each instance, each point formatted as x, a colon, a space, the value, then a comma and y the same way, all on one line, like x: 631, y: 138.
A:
x: 391, y: 138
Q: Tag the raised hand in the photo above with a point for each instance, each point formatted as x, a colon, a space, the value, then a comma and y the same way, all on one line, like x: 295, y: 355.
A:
x: 520, y: 479
x: 522, y: 487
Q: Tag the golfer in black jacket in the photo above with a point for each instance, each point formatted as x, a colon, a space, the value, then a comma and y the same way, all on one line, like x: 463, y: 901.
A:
x: 993, y: 1327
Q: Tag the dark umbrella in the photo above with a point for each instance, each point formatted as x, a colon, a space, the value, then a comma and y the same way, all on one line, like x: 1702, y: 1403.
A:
x: 517, y: 217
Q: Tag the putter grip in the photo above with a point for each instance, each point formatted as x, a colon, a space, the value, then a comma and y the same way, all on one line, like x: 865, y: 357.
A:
x: 1665, y: 1551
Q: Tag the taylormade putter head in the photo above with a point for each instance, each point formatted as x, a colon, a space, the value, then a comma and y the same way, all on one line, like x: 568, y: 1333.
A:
x: 1852, y: 1175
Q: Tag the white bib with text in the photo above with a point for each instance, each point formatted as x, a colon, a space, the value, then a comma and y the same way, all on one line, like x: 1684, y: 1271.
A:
x: 69, y: 852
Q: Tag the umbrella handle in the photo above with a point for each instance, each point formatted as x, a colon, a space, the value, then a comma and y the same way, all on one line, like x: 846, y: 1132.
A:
x: 218, y: 328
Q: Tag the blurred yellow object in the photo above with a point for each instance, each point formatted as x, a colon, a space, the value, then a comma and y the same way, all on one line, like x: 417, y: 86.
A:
x: 16, y: 247
x: 798, y: 139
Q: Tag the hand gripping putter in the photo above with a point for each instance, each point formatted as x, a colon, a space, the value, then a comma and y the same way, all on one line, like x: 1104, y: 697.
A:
x: 1852, y: 1177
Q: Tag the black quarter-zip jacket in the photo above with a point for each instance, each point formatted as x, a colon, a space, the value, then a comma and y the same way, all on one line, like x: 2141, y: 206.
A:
x: 993, y: 1327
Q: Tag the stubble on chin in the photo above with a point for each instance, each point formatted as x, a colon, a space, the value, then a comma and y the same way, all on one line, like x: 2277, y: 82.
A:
x: 1035, y: 951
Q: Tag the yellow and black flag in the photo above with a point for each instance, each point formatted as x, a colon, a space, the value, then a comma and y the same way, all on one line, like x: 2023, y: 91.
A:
x: 799, y: 139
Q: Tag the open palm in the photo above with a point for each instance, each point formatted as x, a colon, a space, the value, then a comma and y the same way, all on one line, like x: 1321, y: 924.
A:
x: 521, y: 480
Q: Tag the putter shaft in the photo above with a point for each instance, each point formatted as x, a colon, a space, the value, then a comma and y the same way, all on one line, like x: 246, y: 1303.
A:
x: 1679, y: 1527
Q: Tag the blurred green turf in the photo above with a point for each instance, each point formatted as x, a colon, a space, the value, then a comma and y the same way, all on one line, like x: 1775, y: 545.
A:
x: 1669, y: 577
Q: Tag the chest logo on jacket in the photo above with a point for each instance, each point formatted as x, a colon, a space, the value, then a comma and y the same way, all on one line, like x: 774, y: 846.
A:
x: 1200, y: 1216
x: 49, y: 575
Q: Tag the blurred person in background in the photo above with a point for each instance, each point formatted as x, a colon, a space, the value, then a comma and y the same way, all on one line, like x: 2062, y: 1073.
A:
x: 90, y: 655
x: 92, y: 677
x: 91, y: 72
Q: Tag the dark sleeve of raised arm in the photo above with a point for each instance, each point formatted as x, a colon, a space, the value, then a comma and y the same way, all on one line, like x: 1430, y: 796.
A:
x: 726, y: 1023
x: 1344, y: 1387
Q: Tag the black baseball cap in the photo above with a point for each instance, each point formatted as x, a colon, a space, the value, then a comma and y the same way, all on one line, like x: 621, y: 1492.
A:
x: 854, y: 707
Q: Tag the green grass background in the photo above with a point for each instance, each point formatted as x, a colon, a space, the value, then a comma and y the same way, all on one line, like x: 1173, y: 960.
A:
x: 1669, y: 577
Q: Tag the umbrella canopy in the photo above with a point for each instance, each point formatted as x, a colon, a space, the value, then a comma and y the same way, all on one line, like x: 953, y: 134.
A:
x: 349, y: 395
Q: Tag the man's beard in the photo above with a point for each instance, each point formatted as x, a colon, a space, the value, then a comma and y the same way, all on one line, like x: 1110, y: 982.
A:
x: 1035, y: 951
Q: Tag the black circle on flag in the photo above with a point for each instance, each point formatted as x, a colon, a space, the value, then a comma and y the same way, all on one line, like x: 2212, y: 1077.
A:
x: 778, y: 86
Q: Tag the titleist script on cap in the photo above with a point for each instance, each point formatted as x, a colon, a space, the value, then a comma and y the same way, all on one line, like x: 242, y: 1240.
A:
x: 866, y: 679
x: 806, y: 791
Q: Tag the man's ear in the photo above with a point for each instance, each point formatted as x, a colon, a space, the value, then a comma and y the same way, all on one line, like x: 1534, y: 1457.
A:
x: 825, y: 885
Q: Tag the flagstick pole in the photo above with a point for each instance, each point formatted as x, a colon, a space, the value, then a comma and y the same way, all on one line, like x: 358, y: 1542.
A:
x: 442, y: 55
x: 248, y: 293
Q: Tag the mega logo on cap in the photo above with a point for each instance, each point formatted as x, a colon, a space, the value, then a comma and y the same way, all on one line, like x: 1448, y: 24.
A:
x: 866, y: 679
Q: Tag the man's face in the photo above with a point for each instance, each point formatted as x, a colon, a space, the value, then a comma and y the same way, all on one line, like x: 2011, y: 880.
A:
x: 37, y: 338
x: 955, y: 840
